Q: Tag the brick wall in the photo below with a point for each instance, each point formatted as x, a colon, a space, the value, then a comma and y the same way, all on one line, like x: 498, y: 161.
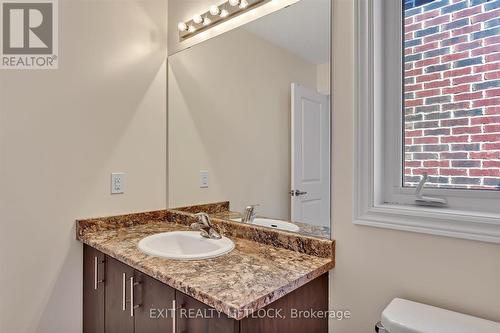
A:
x: 452, y: 93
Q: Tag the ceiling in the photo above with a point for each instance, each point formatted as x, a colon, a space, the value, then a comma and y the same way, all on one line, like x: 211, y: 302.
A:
x: 303, y: 29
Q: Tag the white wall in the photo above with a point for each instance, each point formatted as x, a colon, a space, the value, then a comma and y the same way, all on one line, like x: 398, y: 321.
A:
x: 229, y: 114
x: 62, y: 133
x: 375, y: 265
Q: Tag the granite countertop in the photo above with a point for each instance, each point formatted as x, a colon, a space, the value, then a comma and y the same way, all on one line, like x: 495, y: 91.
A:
x: 248, y: 278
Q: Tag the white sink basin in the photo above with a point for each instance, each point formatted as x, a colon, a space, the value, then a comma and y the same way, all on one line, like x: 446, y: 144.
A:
x: 184, y: 245
x: 275, y: 224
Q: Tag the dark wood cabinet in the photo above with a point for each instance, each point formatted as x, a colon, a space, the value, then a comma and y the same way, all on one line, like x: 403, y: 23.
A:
x: 93, y: 290
x: 119, y: 299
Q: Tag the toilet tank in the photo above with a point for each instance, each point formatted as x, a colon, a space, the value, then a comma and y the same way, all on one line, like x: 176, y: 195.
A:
x: 403, y: 316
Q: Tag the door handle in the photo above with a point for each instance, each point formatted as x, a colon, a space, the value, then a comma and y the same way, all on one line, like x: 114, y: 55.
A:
x: 297, y: 193
x: 96, y: 272
x: 124, y: 292
x: 132, y: 305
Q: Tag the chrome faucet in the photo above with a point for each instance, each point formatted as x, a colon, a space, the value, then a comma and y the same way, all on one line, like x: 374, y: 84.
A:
x: 205, y: 226
x: 249, y: 214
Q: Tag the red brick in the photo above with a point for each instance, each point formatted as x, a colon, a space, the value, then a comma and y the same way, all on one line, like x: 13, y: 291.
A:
x: 437, y: 164
x: 409, y: 20
x: 408, y: 51
x: 454, y: 56
x: 492, y: 92
x: 413, y: 102
x: 467, y: 130
x: 492, y: 40
x: 428, y: 77
x: 429, y: 171
x: 493, y: 110
x: 467, y: 12
x: 486, y: 102
x: 408, y: 141
x: 485, y: 138
x: 426, y: 15
x: 427, y: 62
x: 426, y: 47
x: 427, y: 93
x: 484, y: 172
x: 434, y: 37
x: 468, y: 46
x: 487, y: 67
x: 457, y: 89
x: 437, y: 21
x: 411, y: 134
x: 468, y: 97
x: 466, y: 30
x: 437, y: 84
x: 495, y: 128
x: 454, y: 138
x: 413, y: 87
x: 426, y: 140
x: 413, y: 27
x: 485, y: 120
x: 413, y: 72
x: 486, y: 50
x: 493, y: 57
x: 491, y: 146
x: 409, y: 36
x: 413, y: 164
x: 457, y: 72
x: 485, y: 155
x: 467, y: 79
x: 491, y: 164
x: 492, y: 75
x: 452, y: 172
x: 486, y: 16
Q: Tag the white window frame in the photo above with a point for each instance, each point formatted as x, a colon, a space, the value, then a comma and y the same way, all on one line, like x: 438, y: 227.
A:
x: 379, y: 198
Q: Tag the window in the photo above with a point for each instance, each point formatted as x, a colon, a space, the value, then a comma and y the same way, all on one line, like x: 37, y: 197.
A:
x: 428, y: 101
x: 452, y: 93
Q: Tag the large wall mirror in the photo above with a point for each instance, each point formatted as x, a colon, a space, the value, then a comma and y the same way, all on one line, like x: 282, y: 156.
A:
x: 249, y: 120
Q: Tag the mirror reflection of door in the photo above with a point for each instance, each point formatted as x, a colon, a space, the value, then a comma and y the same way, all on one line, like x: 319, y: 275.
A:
x: 310, y: 193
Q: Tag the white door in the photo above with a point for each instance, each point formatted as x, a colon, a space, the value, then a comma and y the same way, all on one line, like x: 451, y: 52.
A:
x: 310, y: 192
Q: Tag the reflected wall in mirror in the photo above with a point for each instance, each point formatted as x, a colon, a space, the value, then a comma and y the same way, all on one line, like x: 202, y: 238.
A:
x: 250, y: 110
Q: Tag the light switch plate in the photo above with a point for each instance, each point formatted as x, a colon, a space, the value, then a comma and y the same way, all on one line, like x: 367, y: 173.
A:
x: 117, y: 183
x: 203, y: 179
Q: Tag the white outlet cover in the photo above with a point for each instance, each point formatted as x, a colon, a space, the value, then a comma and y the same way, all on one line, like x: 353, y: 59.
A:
x: 203, y: 179
x: 117, y: 183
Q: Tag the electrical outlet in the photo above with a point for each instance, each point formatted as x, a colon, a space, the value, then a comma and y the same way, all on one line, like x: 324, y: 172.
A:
x: 117, y: 183
x: 203, y: 179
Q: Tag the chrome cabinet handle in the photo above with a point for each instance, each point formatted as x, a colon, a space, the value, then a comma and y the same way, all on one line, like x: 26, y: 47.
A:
x: 132, y: 305
x: 124, y: 292
x: 96, y: 273
x: 174, y: 316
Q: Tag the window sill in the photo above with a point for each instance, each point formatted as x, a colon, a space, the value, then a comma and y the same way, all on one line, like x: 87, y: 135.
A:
x: 441, y: 222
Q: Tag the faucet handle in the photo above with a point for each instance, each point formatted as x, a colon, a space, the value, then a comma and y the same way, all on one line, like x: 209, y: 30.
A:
x: 204, y: 219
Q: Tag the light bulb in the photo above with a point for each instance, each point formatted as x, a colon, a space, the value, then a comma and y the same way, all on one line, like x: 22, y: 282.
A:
x: 182, y: 26
x: 234, y: 2
x: 243, y: 4
x: 191, y: 28
x: 214, y: 10
x: 224, y: 13
x: 197, y: 19
x: 206, y: 21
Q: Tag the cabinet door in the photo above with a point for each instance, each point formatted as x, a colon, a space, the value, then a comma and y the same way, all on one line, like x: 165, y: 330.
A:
x: 93, y: 290
x: 312, y: 296
x: 117, y: 308
x: 155, y: 301
x: 196, y: 317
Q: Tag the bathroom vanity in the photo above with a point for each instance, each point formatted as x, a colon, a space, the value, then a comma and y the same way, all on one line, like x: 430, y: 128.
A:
x: 260, y: 286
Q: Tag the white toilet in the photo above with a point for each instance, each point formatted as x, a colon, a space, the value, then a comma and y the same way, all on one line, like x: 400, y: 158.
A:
x: 403, y: 316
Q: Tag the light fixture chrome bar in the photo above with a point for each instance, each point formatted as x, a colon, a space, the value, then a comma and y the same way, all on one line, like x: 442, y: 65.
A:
x: 215, y: 15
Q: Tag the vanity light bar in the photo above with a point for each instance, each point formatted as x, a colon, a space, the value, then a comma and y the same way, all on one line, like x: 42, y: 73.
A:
x: 215, y: 15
